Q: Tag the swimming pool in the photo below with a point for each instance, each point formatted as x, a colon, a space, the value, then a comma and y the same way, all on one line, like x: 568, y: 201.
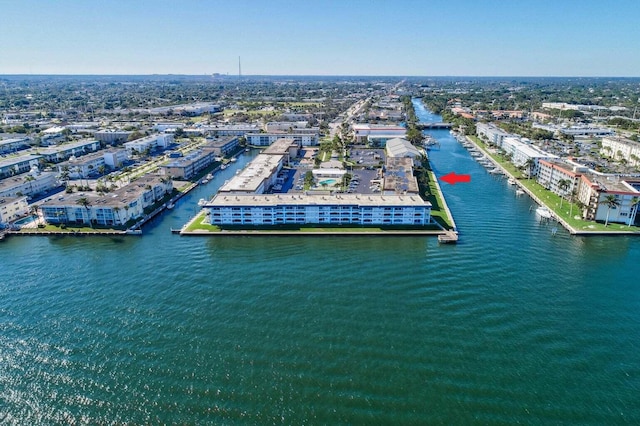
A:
x: 327, y: 182
x: 24, y: 221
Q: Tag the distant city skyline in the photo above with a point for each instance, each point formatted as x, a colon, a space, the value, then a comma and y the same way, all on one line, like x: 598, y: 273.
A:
x: 283, y: 37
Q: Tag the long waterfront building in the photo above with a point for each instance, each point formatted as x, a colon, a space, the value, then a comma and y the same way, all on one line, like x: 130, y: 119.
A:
x: 337, y: 209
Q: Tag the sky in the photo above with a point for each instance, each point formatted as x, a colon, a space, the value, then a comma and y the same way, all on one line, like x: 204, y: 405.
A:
x: 322, y: 37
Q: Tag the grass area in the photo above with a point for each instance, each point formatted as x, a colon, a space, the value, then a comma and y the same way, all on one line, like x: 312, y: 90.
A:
x: 567, y: 211
x: 197, y: 225
x: 438, y: 212
x: 428, y: 185
x: 70, y: 229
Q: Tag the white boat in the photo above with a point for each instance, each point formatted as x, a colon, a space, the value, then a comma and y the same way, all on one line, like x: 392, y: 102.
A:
x: 543, y: 212
x: 495, y: 171
x: 202, y: 202
x: 205, y: 181
x: 511, y: 181
x: 209, y: 176
x: 224, y: 166
x: 519, y: 191
x: 170, y: 206
x: 233, y: 159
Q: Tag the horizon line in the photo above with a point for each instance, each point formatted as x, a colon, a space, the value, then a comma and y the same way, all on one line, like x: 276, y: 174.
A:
x: 244, y: 76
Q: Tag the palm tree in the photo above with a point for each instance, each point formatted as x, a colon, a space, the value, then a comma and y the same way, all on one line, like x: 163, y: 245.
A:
x: 84, y: 202
x: 116, y: 210
x: 611, y: 202
x: 573, y: 194
x: 635, y: 201
x: 34, y: 212
x: 529, y: 164
x: 30, y: 179
x: 563, y: 185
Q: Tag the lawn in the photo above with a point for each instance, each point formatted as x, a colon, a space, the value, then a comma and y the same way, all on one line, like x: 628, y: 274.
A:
x: 197, y: 225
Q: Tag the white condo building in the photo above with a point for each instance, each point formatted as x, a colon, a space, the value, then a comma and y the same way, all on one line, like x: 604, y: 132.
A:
x: 621, y: 148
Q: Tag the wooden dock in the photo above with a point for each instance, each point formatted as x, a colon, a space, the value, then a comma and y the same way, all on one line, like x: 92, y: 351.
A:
x: 449, y: 237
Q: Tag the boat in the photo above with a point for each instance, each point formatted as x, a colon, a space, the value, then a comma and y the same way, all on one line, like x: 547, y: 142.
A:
x: 209, y: 176
x: 170, y: 206
x: 519, y: 191
x: 511, y: 181
x: 233, y: 159
x: 247, y: 150
x: 223, y: 166
x: 202, y: 202
x: 495, y: 171
x: 205, y: 181
x: 543, y: 212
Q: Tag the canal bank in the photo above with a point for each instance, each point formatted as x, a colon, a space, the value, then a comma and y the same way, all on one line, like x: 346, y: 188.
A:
x: 541, y: 202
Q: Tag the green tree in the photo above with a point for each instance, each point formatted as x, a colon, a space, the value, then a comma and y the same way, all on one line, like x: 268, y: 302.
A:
x: 563, y: 185
x: 611, y: 201
x: 84, y: 202
x: 529, y: 165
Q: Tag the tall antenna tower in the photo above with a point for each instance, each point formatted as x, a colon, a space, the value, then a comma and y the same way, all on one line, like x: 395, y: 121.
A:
x: 239, y: 69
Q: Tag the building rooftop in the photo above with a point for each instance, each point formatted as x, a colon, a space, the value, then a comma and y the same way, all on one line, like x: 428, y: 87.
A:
x: 280, y: 146
x: 398, y: 176
x: 316, y: 199
x: 253, y: 175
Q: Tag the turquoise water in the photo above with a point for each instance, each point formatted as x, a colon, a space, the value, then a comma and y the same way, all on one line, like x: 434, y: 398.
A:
x: 512, y: 325
x: 24, y: 220
x: 327, y: 182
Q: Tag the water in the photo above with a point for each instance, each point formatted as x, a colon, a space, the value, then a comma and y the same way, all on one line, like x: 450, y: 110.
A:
x: 512, y: 325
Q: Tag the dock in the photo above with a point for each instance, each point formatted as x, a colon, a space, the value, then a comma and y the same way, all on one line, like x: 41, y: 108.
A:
x: 449, y: 237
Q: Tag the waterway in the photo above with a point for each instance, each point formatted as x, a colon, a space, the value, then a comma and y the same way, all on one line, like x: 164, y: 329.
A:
x: 511, y: 325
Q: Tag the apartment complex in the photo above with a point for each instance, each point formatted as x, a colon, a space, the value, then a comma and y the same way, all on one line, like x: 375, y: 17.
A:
x: 338, y: 209
x: 159, y: 141
x: 621, y: 148
x: 12, y: 208
x: 265, y: 139
x: 591, y: 190
x: 114, y: 208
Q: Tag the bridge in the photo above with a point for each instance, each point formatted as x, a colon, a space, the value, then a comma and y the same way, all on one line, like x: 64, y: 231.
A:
x: 434, y: 125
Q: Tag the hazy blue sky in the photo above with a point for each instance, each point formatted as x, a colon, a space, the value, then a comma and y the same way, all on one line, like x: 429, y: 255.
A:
x: 342, y: 37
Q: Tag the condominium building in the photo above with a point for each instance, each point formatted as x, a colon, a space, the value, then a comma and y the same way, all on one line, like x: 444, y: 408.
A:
x: 284, y: 126
x: 592, y: 190
x: 28, y: 184
x: 377, y: 134
x: 159, y: 141
x: 521, y: 152
x: 16, y: 165
x: 14, y: 144
x: 58, y: 153
x: 398, y: 176
x: 230, y: 129
x: 257, y: 177
x: 190, y: 165
x: 491, y: 133
x: 338, y: 209
x: 223, y: 145
x: 83, y: 167
x: 621, y: 148
x: 265, y: 139
x: 112, y: 137
x: 114, y: 208
x: 12, y: 208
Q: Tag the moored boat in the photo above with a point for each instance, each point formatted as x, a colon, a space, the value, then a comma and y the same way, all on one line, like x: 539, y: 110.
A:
x: 543, y: 212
